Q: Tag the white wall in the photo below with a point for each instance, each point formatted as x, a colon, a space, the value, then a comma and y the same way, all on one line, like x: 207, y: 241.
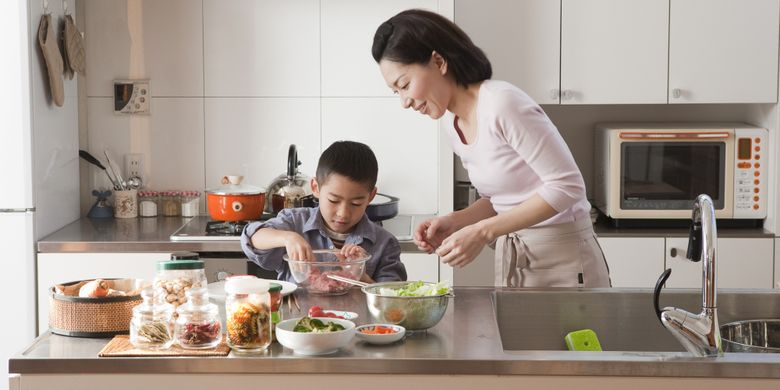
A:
x: 235, y: 83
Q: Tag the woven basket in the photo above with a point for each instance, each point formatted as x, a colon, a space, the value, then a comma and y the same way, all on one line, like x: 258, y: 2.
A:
x: 90, y: 317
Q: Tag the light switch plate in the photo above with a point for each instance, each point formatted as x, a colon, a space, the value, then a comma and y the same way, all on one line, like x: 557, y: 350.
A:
x: 132, y: 97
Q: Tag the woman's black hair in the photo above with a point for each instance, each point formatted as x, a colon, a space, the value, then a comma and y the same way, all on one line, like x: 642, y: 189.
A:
x: 411, y: 36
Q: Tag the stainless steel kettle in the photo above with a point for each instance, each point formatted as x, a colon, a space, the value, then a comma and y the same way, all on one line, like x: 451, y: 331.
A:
x: 290, y: 189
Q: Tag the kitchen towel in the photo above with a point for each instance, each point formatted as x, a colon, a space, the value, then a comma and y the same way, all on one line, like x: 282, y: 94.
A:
x: 120, y: 346
x: 51, y: 54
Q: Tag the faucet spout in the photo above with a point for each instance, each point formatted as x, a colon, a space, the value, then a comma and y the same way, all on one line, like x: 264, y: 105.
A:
x: 700, y: 333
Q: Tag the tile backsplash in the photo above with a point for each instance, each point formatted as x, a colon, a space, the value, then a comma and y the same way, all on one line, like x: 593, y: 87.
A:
x: 235, y: 83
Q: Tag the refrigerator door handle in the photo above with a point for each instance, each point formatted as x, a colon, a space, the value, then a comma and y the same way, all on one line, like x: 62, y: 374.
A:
x: 27, y: 210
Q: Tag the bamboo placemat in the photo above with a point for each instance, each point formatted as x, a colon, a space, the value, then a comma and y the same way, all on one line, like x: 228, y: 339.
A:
x: 120, y: 346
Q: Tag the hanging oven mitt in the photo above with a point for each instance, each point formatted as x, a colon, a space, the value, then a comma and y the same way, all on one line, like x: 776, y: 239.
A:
x: 51, y: 54
x: 75, y: 56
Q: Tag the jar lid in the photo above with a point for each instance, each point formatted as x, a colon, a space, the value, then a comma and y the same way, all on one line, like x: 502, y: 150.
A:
x: 153, y: 304
x: 246, y: 286
x: 275, y: 287
x: 181, y: 260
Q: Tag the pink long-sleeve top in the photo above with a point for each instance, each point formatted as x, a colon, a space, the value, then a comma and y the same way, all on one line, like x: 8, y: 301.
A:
x: 518, y: 152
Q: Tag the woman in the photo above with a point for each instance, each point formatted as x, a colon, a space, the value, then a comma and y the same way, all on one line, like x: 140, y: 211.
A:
x: 533, y: 196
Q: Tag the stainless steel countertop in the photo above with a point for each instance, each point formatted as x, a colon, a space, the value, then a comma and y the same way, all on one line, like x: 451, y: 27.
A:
x: 604, y: 229
x: 147, y: 235
x: 466, y: 341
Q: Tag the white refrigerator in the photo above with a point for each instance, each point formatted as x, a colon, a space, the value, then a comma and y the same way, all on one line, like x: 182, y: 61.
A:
x: 39, y: 180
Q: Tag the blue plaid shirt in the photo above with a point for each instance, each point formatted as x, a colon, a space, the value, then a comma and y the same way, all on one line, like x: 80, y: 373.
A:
x: 385, y: 263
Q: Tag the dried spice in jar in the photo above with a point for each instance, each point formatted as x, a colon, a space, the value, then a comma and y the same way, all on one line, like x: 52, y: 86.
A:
x: 198, y: 326
x: 248, y: 309
x: 190, y: 203
x: 169, y: 204
x: 151, y: 325
x: 147, y: 203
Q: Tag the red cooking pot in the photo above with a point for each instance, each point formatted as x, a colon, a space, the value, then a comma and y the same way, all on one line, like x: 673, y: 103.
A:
x: 234, y: 201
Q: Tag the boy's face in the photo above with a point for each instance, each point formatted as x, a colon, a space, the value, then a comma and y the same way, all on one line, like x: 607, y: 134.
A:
x: 342, y: 201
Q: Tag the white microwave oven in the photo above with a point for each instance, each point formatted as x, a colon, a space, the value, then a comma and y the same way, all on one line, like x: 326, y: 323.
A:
x: 655, y: 171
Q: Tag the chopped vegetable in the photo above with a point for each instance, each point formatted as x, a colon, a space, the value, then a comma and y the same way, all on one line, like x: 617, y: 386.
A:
x: 417, y: 289
x: 313, y: 325
x: 378, y: 330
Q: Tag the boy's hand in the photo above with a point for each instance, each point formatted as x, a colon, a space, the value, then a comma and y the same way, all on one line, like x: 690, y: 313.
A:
x: 352, y: 251
x: 298, y: 248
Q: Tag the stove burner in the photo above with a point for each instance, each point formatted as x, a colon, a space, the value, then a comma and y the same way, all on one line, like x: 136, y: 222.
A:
x: 223, y: 228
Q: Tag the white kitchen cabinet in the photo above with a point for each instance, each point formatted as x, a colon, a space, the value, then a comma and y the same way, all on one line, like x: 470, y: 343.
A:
x: 614, y: 51
x: 348, y: 28
x: 421, y: 266
x: 633, y: 261
x: 405, y: 144
x: 522, y: 39
x: 777, y: 260
x: 741, y: 263
x: 261, y: 48
x: 723, y: 51
x: 480, y: 272
x: 56, y: 268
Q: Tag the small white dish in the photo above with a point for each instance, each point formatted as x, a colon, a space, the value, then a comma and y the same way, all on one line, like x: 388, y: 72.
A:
x: 386, y: 338
x: 347, y: 315
x: 314, y: 343
x: 217, y: 289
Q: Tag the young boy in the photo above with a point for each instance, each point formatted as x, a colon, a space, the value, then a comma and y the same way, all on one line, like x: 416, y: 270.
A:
x: 345, y: 184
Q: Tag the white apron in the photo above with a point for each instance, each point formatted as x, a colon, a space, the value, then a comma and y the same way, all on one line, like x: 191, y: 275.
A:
x: 562, y: 255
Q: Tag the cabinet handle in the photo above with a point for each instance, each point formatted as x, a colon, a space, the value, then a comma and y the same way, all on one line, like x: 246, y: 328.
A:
x: 676, y: 93
x: 567, y: 94
x: 555, y: 94
x: 673, y: 252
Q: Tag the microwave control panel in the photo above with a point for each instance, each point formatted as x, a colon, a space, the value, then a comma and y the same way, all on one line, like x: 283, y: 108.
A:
x: 750, y: 172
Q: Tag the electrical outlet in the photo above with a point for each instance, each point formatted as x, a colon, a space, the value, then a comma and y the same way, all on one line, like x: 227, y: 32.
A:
x: 134, y: 165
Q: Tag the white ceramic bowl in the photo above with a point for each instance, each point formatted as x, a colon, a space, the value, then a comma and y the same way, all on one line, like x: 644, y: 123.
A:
x: 314, y: 343
x: 380, y: 338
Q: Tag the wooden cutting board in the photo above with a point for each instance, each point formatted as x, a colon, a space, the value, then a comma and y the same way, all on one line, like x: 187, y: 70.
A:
x: 120, y: 346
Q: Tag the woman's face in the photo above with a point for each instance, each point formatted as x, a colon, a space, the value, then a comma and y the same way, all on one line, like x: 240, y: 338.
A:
x: 424, y: 88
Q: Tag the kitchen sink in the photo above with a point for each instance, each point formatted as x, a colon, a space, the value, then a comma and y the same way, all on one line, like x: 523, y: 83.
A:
x: 623, y: 319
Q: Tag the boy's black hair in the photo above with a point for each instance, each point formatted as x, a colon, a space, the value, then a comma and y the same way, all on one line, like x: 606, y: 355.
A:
x: 411, y: 36
x: 351, y: 159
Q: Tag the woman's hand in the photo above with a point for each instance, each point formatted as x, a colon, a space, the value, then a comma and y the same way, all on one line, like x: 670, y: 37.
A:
x: 430, y: 234
x: 463, y: 246
x: 297, y: 247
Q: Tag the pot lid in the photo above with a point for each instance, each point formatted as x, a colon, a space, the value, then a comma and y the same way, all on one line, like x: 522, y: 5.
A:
x: 232, y: 186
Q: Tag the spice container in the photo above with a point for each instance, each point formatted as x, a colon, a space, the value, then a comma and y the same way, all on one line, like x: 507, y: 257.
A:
x: 147, y: 203
x: 276, y: 303
x: 190, y: 203
x: 198, y: 324
x: 151, y: 326
x: 170, y: 206
x: 182, y: 272
x: 248, y: 309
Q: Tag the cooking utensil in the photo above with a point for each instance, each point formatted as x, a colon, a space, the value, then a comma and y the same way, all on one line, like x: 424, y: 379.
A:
x: 290, y: 189
x: 94, y: 161
x: 382, y: 207
x: 134, y: 183
x: 234, y: 201
x: 120, y: 182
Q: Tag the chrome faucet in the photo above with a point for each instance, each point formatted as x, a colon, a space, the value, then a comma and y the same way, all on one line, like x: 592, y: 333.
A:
x: 698, y: 333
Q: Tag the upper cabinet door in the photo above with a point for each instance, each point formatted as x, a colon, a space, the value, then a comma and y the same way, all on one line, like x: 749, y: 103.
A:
x: 522, y: 40
x: 723, y: 51
x: 614, y: 51
x: 348, y: 28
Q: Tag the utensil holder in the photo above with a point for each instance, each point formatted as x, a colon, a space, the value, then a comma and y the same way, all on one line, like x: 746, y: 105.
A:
x: 126, y: 204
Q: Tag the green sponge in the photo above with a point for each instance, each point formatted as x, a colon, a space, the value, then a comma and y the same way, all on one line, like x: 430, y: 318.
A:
x: 582, y: 340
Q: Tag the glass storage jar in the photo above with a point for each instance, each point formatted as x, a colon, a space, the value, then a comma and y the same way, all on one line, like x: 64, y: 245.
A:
x: 151, y: 326
x: 190, y: 203
x: 147, y: 203
x: 198, y: 324
x: 248, y: 310
x: 182, y: 272
x: 170, y: 206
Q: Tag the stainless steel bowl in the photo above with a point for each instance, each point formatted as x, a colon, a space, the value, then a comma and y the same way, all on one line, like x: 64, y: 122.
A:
x: 762, y: 336
x: 413, y: 313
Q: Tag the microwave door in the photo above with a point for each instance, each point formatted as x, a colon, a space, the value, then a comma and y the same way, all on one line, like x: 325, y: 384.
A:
x: 668, y: 175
